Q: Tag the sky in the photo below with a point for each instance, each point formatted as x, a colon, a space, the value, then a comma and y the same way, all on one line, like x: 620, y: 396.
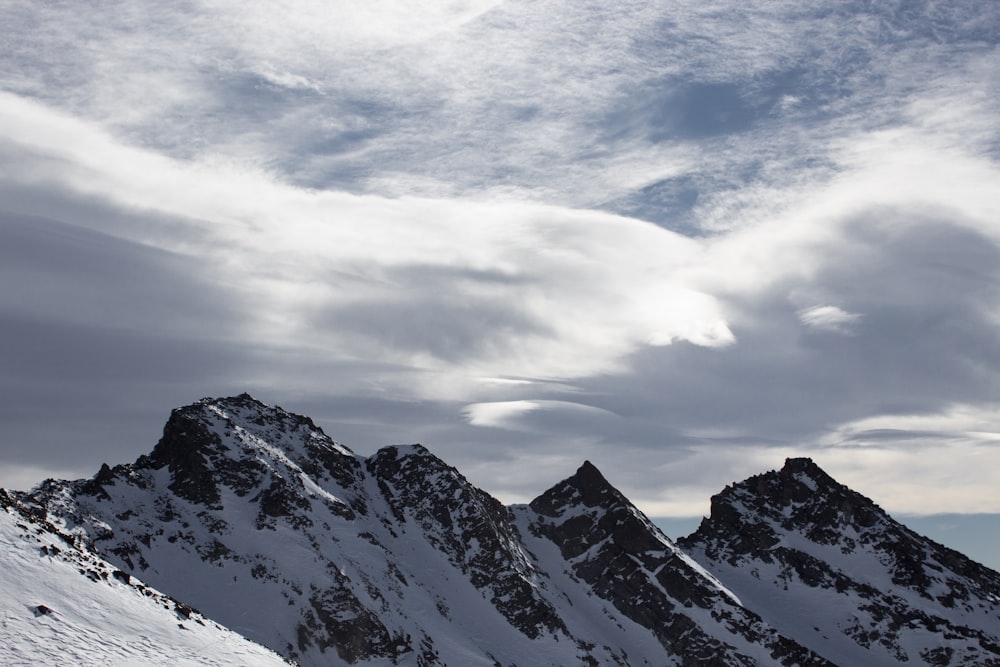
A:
x: 682, y: 240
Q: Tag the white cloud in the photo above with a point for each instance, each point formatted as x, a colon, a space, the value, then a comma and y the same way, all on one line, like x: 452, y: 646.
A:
x: 828, y: 318
x: 534, y: 415
x: 498, y: 414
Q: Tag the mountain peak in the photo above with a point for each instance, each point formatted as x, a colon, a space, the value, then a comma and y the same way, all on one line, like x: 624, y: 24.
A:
x: 240, y: 399
x: 801, y: 496
x: 805, y: 470
x: 586, y: 487
x: 801, y: 464
x: 237, y: 442
x: 589, y: 472
x: 833, y: 551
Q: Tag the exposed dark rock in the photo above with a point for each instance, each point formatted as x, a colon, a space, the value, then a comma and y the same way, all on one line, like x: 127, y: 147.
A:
x: 186, y: 449
x: 340, y: 622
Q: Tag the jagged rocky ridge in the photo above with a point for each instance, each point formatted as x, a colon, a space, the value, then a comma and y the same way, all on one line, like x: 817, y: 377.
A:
x: 257, y: 518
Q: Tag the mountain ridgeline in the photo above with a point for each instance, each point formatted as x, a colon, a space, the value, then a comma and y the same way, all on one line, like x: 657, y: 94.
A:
x: 259, y: 521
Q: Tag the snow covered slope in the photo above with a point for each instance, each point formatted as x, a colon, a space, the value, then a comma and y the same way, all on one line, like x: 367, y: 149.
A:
x: 257, y: 518
x: 63, y: 605
x: 827, y: 566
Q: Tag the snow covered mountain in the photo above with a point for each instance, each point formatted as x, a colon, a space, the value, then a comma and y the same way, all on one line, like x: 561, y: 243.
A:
x: 266, y: 525
x: 827, y: 566
x: 62, y: 604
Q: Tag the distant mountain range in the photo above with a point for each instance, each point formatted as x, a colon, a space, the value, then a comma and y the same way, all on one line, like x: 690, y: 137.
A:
x: 249, y: 517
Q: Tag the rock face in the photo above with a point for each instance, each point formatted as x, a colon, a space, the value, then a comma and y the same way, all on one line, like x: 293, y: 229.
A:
x: 266, y: 525
x: 827, y: 566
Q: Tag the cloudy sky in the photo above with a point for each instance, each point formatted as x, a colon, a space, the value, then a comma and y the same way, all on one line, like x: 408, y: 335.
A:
x: 682, y: 239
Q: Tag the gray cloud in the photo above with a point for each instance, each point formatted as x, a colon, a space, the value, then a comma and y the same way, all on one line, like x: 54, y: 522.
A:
x: 96, y: 330
x: 403, y: 227
x: 927, y: 293
x: 60, y: 270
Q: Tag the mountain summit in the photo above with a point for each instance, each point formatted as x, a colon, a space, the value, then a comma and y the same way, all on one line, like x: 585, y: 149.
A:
x: 265, y: 524
x: 854, y: 585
